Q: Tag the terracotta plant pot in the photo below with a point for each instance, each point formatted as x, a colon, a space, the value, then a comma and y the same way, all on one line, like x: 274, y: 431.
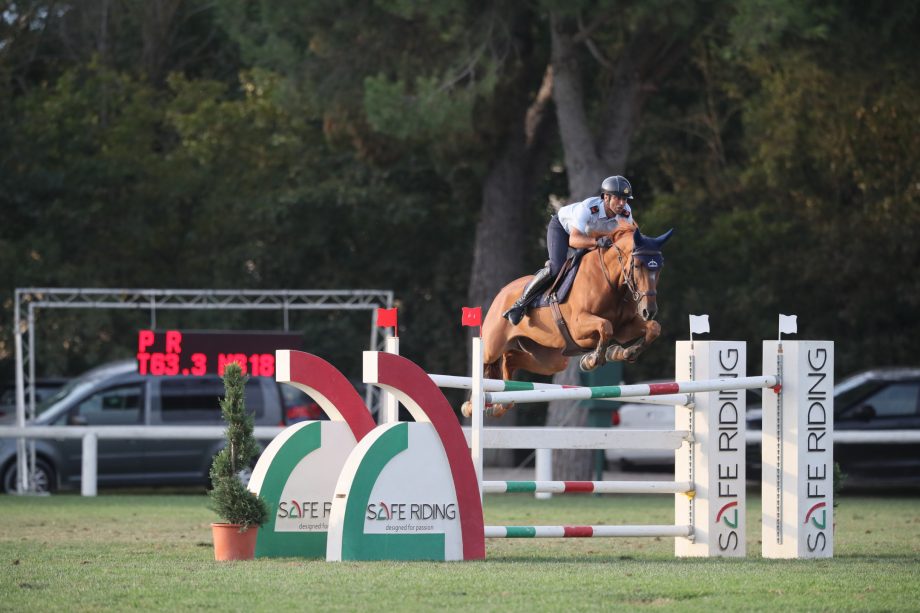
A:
x: 231, y: 544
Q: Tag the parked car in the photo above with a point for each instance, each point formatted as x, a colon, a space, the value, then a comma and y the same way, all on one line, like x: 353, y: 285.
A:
x: 115, y: 394
x: 45, y: 388
x: 298, y: 406
x: 635, y: 416
x: 869, y: 401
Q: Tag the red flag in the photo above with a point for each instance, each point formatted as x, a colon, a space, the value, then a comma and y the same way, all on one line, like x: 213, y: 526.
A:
x: 472, y: 316
x: 386, y: 318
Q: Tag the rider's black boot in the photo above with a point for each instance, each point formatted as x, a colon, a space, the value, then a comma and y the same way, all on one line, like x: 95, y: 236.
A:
x: 516, y: 313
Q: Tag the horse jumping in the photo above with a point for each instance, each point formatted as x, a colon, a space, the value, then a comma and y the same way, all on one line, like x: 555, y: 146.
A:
x: 609, y: 313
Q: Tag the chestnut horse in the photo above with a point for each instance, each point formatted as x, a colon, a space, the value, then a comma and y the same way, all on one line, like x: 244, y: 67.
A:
x: 611, y: 304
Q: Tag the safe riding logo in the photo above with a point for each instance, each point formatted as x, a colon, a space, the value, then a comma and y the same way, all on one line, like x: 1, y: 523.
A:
x: 730, y: 519
x: 814, y: 520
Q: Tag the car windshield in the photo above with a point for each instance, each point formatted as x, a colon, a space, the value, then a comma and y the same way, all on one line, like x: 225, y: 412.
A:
x: 57, y: 396
x: 849, y: 396
x: 75, y: 386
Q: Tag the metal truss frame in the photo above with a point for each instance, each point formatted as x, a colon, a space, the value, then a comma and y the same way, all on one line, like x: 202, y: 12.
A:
x: 30, y: 299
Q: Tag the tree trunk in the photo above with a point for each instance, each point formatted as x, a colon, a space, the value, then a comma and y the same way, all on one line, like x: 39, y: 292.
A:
x: 588, y: 160
x: 583, y: 166
x: 569, y: 464
x: 498, y: 255
x: 499, y: 247
x: 158, y: 36
x: 498, y: 251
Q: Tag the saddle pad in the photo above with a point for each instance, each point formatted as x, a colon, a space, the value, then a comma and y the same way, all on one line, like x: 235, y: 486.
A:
x: 565, y: 285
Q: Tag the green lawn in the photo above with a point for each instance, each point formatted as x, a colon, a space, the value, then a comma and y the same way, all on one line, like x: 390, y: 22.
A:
x: 118, y: 552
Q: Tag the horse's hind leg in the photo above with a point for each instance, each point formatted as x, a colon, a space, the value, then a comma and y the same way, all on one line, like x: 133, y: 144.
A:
x: 536, y: 359
x: 491, y: 370
x: 502, y: 368
x: 508, y: 366
x: 499, y: 369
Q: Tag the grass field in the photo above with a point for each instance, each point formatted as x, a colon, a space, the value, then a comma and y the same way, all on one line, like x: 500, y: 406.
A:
x: 122, y: 552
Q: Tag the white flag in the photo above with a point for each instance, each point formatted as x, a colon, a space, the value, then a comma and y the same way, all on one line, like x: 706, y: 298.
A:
x: 699, y: 324
x: 787, y: 324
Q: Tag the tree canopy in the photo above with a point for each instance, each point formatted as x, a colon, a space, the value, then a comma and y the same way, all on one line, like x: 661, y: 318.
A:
x: 421, y: 146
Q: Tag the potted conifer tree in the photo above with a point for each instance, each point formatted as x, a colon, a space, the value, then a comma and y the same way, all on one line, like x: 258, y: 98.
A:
x: 242, y: 511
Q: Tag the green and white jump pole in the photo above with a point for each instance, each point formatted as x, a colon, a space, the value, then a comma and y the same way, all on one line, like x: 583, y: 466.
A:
x: 622, y: 392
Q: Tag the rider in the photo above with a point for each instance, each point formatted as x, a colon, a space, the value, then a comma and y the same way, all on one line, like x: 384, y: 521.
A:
x: 581, y: 225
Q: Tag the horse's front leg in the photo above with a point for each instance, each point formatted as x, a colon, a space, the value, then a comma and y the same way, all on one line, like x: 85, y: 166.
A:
x: 648, y: 332
x: 587, y: 327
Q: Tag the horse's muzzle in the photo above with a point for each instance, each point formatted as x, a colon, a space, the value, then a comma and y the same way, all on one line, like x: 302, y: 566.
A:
x: 648, y: 307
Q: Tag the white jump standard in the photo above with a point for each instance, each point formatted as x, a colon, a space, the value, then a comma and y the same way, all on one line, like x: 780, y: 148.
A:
x: 709, y: 529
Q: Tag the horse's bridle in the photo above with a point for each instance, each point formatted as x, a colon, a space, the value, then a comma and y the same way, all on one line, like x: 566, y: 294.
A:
x: 628, y: 277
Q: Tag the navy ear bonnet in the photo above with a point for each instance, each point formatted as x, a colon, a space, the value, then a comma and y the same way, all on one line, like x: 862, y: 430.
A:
x: 652, y: 260
x: 647, y: 250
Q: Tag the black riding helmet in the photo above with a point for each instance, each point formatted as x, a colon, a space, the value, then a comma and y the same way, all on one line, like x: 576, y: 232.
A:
x: 618, y: 186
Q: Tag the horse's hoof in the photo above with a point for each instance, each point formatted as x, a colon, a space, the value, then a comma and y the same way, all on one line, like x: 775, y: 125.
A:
x: 587, y: 362
x: 492, y: 410
x: 615, y: 353
x: 497, y: 410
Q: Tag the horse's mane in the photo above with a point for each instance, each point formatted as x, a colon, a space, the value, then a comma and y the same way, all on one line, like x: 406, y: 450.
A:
x: 621, y: 230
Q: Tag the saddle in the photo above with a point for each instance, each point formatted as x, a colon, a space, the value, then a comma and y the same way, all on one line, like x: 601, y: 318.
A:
x: 557, y: 293
x: 561, y: 285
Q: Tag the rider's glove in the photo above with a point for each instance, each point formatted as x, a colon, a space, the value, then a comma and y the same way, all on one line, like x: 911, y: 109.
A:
x: 604, y: 242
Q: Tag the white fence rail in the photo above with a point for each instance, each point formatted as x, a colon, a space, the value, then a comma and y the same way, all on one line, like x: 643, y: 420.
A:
x: 92, y: 434
x: 123, y: 432
x: 547, y: 438
x: 859, y: 436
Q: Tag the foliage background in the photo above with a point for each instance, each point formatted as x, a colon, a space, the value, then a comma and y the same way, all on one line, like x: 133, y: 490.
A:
x: 319, y: 145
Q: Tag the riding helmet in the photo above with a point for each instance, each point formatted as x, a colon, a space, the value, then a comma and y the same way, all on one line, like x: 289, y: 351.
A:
x: 618, y: 186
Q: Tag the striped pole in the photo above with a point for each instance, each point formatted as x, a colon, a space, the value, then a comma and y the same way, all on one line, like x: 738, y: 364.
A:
x: 587, y: 487
x: 627, y: 391
x: 518, y: 532
x: 501, y: 385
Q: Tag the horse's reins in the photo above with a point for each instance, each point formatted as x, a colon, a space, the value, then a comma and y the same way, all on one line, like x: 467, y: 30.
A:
x: 627, y: 276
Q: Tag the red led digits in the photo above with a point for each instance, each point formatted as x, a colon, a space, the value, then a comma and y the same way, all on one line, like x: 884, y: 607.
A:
x: 266, y: 365
x: 262, y: 364
x: 173, y: 341
x: 144, y: 341
x: 196, y: 353
x: 157, y: 362
x: 199, y: 364
x: 229, y: 358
